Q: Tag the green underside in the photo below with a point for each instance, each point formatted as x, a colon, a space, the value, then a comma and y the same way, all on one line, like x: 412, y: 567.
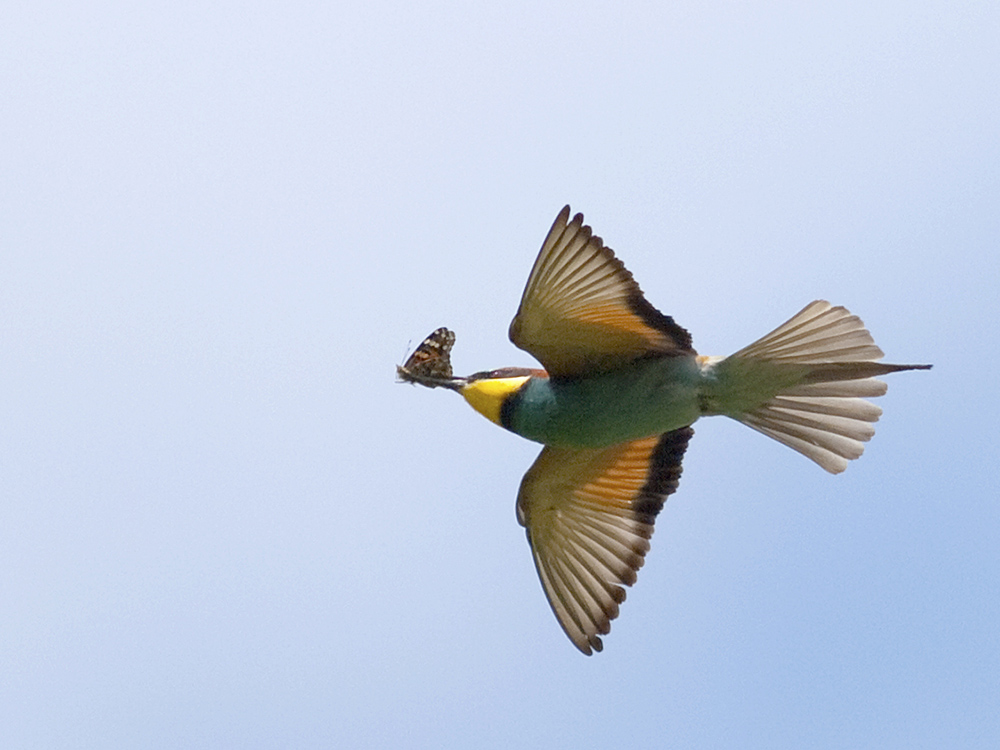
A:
x: 650, y: 397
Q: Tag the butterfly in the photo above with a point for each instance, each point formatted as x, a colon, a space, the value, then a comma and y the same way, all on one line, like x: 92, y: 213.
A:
x: 430, y: 363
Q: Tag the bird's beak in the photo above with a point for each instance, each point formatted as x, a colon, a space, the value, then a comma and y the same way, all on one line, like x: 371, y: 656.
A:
x: 430, y: 381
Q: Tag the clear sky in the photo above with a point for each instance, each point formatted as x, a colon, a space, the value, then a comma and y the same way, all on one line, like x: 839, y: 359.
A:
x: 223, y: 524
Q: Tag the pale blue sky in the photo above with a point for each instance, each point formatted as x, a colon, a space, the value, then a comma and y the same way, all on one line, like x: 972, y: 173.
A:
x: 223, y: 524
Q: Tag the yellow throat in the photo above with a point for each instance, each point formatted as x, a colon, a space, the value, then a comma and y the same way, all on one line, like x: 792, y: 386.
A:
x: 486, y: 395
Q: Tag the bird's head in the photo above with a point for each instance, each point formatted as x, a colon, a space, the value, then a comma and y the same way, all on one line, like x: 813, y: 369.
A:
x: 487, y: 392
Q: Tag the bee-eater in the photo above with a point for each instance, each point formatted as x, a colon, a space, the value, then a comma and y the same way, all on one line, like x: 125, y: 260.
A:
x: 614, y: 406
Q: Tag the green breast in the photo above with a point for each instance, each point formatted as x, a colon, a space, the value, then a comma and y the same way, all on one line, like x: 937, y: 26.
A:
x: 649, y: 397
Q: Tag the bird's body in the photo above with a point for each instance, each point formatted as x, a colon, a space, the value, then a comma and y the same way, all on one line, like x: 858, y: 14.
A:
x: 649, y: 397
x: 614, y: 406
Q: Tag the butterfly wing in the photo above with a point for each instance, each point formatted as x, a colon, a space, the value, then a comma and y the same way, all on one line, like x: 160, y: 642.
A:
x: 430, y: 363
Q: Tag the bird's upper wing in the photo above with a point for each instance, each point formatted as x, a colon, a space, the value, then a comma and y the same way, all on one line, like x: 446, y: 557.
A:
x: 589, y: 515
x: 581, y: 309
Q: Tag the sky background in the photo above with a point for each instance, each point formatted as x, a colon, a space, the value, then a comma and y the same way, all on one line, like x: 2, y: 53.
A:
x: 222, y: 522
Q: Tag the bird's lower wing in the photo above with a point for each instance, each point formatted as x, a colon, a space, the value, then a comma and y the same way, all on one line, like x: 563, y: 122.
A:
x: 589, y: 516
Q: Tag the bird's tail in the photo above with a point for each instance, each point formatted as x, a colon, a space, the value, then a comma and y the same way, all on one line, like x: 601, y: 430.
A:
x: 805, y: 384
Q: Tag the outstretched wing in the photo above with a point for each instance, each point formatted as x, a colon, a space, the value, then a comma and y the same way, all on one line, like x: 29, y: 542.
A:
x: 582, y: 311
x: 589, y: 516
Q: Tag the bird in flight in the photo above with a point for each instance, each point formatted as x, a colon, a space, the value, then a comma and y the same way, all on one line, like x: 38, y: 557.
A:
x: 614, y: 406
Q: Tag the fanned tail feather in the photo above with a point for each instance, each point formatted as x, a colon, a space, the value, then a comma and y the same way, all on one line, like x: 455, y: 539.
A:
x: 805, y: 384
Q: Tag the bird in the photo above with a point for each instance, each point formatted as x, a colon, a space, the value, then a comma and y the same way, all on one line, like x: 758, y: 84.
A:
x: 615, y: 403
